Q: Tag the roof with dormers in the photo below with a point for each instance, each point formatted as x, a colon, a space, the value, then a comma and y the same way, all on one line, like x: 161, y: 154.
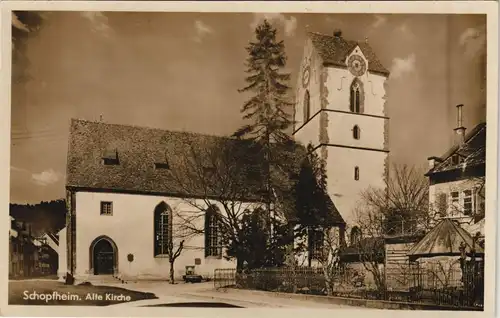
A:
x: 335, y: 49
x: 138, y: 149
x: 472, y: 152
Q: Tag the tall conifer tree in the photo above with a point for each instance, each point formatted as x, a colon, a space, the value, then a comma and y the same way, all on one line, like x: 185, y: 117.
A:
x: 268, y: 109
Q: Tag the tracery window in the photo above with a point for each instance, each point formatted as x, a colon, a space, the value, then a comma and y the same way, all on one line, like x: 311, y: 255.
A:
x: 163, y: 229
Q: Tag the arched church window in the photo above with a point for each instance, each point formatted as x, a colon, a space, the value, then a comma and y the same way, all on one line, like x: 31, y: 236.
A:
x: 356, y: 102
x: 163, y: 228
x: 213, y: 233
x: 355, y: 236
x: 307, y: 106
x: 356, y: 173
x: 356, y: 132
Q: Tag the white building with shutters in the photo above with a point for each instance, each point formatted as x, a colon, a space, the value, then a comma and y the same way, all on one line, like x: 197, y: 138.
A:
x: 457, y: 179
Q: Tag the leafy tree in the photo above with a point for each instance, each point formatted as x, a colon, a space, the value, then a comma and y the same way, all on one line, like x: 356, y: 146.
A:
x: 311, y: 201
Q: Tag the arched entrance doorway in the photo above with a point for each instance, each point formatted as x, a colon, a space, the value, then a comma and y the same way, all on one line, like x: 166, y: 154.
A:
x: 103, y: 256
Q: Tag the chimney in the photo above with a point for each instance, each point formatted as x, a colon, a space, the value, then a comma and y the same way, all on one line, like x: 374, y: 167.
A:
x: 433, y: 161
x: 460, y: 130
x: 337, y: 33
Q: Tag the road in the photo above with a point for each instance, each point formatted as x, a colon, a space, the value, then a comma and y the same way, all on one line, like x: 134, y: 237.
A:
x: 204, y: 295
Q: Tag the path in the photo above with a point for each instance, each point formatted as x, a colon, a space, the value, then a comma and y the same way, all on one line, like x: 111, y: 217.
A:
x: 205, y: 292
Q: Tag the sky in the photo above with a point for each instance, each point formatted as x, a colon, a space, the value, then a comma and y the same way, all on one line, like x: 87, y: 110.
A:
x: 182, y: 71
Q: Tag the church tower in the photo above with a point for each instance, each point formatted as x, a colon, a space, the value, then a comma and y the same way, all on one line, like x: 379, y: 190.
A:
x: 340, y: 110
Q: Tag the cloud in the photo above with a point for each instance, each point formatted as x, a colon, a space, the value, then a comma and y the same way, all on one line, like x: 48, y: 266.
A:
x: 16, y: 169
x: 473, y: 40
x: 202, y: 30
x: 401, y: 66
x: 289, y: 24
x: 404, y: 31
x: 99, y: 22
x: 379, y: 21
x: 46, y: 177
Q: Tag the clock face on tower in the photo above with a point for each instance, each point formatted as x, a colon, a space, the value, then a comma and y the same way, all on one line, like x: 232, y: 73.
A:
x: 356, y: 65
x: 306, y: 75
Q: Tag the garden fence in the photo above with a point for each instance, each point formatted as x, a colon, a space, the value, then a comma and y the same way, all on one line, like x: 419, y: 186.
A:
x: 419, y: 285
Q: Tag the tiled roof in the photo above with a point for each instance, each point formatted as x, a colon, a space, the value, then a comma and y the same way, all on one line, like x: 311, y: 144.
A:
x: 444, y: 240
x: 138, y: 149
x: 335, y: 49
x: 472, y: 152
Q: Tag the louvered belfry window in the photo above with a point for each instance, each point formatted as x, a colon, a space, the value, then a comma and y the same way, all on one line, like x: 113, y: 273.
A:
x: 356, y: 96
x: 307, y: 106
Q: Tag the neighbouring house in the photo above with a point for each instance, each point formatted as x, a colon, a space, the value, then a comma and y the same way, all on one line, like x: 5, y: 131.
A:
x: 129, y: 194
x: 457, y: 205
x: 23, y: 250
x: 48, y: 259
x: 457, y: 179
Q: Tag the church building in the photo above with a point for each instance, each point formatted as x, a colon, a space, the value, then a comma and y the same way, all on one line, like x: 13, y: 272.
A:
x: 340, y: 110
x: 129, y: 192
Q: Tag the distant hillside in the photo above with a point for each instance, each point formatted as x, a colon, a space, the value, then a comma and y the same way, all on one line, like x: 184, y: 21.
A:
x: 45, y: 216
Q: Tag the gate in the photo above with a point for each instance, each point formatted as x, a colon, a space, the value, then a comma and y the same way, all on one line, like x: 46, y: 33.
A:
x: 224, y: 277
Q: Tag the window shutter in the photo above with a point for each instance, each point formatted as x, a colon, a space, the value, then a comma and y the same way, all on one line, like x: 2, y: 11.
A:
x: 442, y: 204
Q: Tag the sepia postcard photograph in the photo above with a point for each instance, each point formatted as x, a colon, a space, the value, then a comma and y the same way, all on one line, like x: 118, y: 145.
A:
x: 201, y: 159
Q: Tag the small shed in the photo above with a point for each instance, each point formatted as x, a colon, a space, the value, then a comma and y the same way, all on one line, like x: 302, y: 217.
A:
x: 441, y: 255
x: 445, y: 239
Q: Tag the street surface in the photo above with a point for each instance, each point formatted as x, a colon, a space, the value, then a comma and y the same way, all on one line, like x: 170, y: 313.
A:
x: 204, y: 292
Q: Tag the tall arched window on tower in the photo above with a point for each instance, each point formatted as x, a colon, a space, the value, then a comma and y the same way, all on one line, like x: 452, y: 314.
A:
x: 356, y: 132
x: 307, y: 106
x: 356, y: 173
x: 357, y: 96
x: 163, y: 226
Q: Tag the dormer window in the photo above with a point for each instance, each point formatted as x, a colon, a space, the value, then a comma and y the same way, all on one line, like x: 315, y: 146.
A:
x: 456, y: 159
x: 162, y: 162
x: 110, y: 157
x: 162, y: 165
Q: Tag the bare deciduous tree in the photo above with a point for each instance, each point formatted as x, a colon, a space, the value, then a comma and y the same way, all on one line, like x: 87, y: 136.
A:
x: 225, y: 179
x: 400, y: 208
x: 176, y: 239
x: 329, y: 258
